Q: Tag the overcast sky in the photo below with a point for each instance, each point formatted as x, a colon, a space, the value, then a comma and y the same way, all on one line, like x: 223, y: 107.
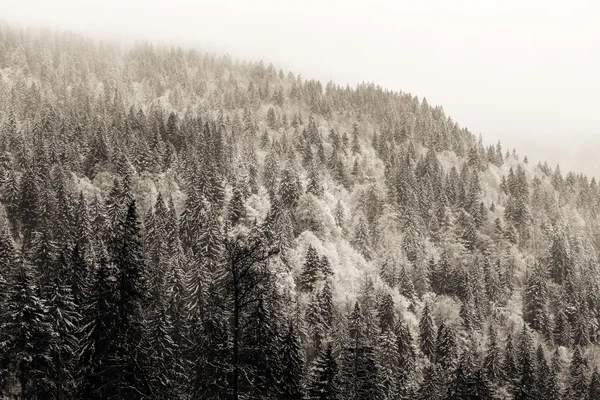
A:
x: 524, y: 72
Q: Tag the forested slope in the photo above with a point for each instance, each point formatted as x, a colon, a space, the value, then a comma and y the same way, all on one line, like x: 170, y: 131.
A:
x: 180, y: 225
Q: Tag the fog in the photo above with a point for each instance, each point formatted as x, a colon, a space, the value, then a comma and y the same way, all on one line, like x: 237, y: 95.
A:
x: 526, y: 73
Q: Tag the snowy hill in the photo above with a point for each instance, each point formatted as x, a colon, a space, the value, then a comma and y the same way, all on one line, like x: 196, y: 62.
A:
x: 182, y: 225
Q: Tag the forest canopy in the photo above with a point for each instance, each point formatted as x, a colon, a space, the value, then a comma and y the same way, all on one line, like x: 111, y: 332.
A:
x: 182, y: 225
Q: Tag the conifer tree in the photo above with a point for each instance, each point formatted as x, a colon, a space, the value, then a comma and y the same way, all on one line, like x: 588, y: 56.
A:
x: 464, y: 385
x: 99, y: 332
x: 314, y: 183
x: 578, y: 384
x: 388, y: 361
x: 310, y: 270
x: 431, y: 387
x: 208, y: 355
x: 355, y: 143
x: 64, y: 315
x: 326, y: 305
x: 406, y: 286
x: 340, y: 217
x: 359, y: 372
x: 271, y: 174
x: 191, y: 216
x: 210, y: 241
x: 29, y: 204
x: 161, y: 352
x: 510, y: 366
x: 386, y: 313
x: 536, y: 300
x: 361, y: 239
x: 289, y: 188
x: 26, y: 336
x: 493, y: 363
x: 316, y: 324
x: 259, y: 354
x: 545, y: 385
x: 427, y: 333
x: 407, y: 358
x: 130, y: 271
x: 446, y: 351
x: 236, y: 211
x: 323, y: 378
x: 594, y: 391
x: 560, y: 260
x: 527, y: 386
x: 389, y: 272
x: 292, y: 366
x: 325, y: 267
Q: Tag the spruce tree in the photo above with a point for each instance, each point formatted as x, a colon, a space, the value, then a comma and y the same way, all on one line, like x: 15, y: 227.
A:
x: 446, y: 351
x: 259, y: 355
x: 326, y: 306
x: 594, y: 391
x: 493, y: 363
x: 292, y: 366
x: 26, y: 336
x: 526, y: 387
x: 236, y: 211
x: 130, y: 271
x: 361, y: 239
x: 323, y: 377
x: 388, y: 361
x: 536, y: 300
x: 407, y: 358
x: 325, y: 266
x: 562, y: 329
x: 310, y: 270
x: 314, y: 183
x: 463, y: 387
x: 209, y: 354
x: 359, y: 372
x: 289, y: 188
x: 578, y: 383
x: 161, y: 352
x: 427, y: 333
x: 316, y: 324
x: 544, y: 387
x: 386, y: 313
x: 64, y: 315
x: 431, y: 388
x: 99, y: 333
x: 509, y: 364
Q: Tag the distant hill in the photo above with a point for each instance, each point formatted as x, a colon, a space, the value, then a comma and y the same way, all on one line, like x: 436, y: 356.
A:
x: 185, y: 225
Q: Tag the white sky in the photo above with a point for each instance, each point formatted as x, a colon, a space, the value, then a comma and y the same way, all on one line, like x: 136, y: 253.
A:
x: 525, y: 72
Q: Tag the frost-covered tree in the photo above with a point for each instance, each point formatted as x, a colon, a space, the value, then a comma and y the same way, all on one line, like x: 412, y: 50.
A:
x: 361, y: 239
x: 27, y: 335
x: 323, y: 381
x: 427, y: 333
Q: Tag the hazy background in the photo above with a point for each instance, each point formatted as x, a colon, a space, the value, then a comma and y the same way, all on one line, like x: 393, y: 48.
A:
x: 523, y: 72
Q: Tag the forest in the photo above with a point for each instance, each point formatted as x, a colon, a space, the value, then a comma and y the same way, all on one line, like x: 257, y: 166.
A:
x: 177, y: 224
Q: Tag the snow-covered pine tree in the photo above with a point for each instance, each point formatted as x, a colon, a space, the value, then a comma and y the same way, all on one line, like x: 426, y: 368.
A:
x: 26, y: 336
x: 427, y: 333
x: 323, y: 381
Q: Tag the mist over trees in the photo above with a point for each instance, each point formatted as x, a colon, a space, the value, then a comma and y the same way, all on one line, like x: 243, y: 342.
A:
x: 181, y: 225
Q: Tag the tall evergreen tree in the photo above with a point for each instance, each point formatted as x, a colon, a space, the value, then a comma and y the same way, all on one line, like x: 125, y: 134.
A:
x: 310, y: 270
x: 578, y: 384
x: 292, y: 366
x: 536, y: 301
x: 323, y: 378
x: 26, y: 336
x: 427, y: 333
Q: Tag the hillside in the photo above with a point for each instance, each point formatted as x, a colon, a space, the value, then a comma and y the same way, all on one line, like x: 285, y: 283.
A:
x: 181, y: 225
